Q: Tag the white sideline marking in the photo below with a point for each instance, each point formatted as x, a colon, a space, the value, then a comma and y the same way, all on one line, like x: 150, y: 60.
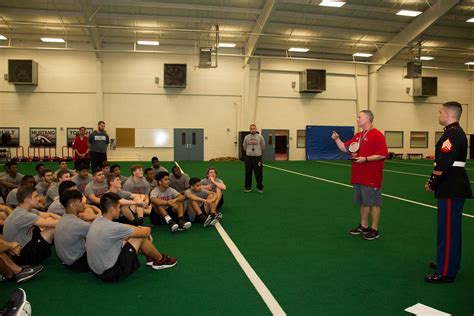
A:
x: 416, y: 164
x: 350, y: 186
x: 261, y: 288
x: 421, y: 309
x: 385, y: 170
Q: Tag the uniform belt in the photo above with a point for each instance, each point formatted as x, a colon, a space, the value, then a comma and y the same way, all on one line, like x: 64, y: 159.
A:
x: 461, y: 164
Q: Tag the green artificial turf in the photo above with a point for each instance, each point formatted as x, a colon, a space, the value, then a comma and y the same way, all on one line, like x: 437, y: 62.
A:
x: 295, y: 237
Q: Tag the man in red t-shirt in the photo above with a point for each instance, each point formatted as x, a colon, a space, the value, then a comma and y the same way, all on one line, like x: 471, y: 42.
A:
x: 368, y: 151
x: 81, y: 149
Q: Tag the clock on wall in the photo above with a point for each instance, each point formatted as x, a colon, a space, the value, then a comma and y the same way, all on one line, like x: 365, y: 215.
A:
x: 175, y: 76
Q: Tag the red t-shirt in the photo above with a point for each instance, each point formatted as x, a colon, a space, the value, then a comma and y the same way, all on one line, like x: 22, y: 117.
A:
x: 369, y: 173
x: 81, y: 146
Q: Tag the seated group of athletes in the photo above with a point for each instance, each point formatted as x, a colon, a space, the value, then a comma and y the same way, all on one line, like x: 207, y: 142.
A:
x: 97, y: 220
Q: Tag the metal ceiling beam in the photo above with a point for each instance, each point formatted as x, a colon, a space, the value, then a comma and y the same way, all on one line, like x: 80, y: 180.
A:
x: 94, y: 34
x: 133, y: 17
x: 262, y: 21
x: 165, y: 18
x: 304, y: 15
x: 411, y: 32
x: 178, y: 6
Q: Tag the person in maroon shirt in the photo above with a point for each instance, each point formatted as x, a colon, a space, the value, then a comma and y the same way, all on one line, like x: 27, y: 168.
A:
x: 81, y: 149
x: 368, y: 151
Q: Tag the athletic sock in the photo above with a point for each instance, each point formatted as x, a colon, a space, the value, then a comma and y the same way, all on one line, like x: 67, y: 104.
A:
x: 168, y: 219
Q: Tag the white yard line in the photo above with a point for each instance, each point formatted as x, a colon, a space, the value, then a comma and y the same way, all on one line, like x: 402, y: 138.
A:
x: 350, y: 186
x: 416, y: 164
x: 261, y: 288
x: 385, y: 170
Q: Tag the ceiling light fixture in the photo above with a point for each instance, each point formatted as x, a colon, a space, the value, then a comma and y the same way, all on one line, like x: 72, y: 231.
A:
x: 334, y: 4
x: 426, y: 58
x: 471, y: 20
x: 2, y: 37
x: 52, y: 40
x: 149, y: 43
x: 228, y: 45
x: 409, y: 13
x: 298, y: 49
x: 362, y: 55
x: 469, y: 63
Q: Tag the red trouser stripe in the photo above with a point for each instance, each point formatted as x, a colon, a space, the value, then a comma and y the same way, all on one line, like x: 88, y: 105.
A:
x: 448, y: 237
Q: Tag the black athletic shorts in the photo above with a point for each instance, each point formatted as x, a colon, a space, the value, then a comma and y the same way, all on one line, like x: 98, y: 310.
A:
x: 127, y: 263
x: 80, y: 265
x: 35, y: 251
x: 157, y: 219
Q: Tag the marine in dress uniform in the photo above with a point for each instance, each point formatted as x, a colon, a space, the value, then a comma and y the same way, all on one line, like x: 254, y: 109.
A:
x: 450, y: 183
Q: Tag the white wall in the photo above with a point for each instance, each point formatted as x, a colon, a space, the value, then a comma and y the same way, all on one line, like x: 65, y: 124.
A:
x: 397, y: 110
x: 74, y: 89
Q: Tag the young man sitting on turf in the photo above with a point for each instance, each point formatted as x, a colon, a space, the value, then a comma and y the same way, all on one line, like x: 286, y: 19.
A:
x: 95, y: 189
x: 53, y: 190
x: 137, y: 184
x: 90, y: 211
x: 83, y: 178
x: 130, y: 203
x: 178, y: 180
x: 39, y: 169
x: 112, y: 247
x: 11, y: 199
x: 9, y: 269
x: 11, y: 178
x: 63, y: 166
x: 106, y: 168
x: 202, y: 202
x: 71, y: 232
x: 33, y: 230
x: 150, y: 177
x: 167, y: 201
x: 47, y: 179
x: 157, y: 168
x: 115, y: 169
x: 214, y: 184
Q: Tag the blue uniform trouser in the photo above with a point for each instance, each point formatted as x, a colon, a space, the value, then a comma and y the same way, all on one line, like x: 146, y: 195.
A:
x: 448, y: 258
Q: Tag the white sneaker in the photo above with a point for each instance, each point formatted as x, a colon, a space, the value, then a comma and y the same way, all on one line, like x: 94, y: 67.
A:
x: 216, y: 219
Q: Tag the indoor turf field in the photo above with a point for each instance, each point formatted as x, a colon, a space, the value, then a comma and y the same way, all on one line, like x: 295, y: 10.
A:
x: 295, y: 237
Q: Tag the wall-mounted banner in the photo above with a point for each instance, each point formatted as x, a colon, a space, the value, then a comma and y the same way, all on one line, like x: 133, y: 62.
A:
x: 42, y: 137
x: 72, y: 132
x: 9, y: 136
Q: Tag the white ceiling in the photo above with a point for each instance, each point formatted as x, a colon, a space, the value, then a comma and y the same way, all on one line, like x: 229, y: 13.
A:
x: 259, y: 27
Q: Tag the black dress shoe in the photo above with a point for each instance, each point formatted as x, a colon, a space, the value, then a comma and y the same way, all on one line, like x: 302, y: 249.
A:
x: 433, y: 265
x: 438, y: 278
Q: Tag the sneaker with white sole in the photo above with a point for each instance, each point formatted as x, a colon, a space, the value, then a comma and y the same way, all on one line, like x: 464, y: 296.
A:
x: 359, y: 230
x: 173, y: 226
x: 26, y: 273
x: 247, y: 190
x: 165, y: 262
x: 17, y: 304
x: 217, y: 218
x: 371, y: 234
x: 184, y: 225
x: 209, y: 218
